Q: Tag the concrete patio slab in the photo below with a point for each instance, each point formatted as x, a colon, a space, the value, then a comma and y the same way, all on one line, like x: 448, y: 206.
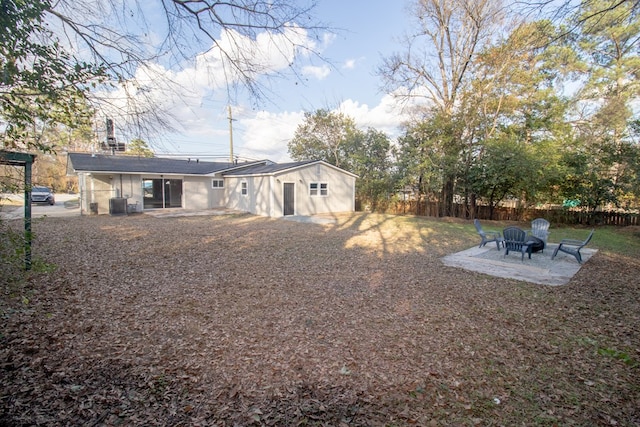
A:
x: 310, y: 219
x: 179, y: 212
x: 540, y: 269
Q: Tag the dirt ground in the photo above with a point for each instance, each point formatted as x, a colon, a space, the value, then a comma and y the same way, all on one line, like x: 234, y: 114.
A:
x: 241, y: 320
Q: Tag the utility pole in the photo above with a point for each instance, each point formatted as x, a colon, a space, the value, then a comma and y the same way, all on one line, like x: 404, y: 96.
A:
x: 230, y: 136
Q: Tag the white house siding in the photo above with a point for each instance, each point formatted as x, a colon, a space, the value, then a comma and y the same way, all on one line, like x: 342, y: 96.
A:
x: 258, y: 198
x: 235, y: 200
x: 341, y: 190
x: 265, y: 190
x: 129, y: 187
x: 96, y: 189
x: 99, y: 188
x: 85, y: 193
x: 134, y: 191
x: 261, y: 203
x: 195, y: 192
x: 265, y: 193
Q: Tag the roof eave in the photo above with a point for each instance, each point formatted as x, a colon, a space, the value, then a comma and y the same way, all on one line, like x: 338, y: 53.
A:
x: 107, y: 172
x: 300, y: 166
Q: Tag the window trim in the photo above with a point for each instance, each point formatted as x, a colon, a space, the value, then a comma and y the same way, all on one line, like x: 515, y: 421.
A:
x: 319, y: 189
x: 220, y: 181
x: 244, y: 188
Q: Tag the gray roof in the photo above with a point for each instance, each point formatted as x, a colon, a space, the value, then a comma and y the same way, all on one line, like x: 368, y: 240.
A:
x: 86, y: 162
x: 265, y: 169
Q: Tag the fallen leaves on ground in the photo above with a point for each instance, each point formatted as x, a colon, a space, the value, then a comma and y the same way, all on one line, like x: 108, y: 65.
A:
x: 241, y: 320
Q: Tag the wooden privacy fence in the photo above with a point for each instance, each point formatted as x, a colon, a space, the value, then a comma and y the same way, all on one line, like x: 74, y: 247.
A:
x: 553, y: 215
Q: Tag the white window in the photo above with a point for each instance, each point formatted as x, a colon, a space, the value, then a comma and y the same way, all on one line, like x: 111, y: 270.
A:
x: 318, y: 189
x: 217, y: 183
x: 243, y: 188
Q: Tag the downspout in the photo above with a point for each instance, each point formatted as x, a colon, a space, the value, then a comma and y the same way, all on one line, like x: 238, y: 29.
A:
x: 353, y: 195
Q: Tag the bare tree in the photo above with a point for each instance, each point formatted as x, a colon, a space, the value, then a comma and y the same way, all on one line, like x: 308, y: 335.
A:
x: 436, y: 66
x: 438, y: 56
x: 145, y: 44
x: 565, y: 11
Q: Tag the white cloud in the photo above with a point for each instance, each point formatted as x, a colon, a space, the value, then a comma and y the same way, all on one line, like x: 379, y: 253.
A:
x: 236, y: 57
x: 267, y: 134
x: 155, y: 89
x: 319, y: 73
x: 387, y: 116
x: 349, y: 64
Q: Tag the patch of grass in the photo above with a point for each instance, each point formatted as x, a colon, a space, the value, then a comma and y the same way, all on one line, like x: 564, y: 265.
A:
x: 608, y: 351
x: 619, y: 355
x: 38, y: 265
x: 617, y: 240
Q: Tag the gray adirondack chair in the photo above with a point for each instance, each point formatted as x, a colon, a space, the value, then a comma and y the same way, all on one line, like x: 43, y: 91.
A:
x: 487, y: 236
x: 515, y: 239
x: 540, y: 229
x: 572, y: 247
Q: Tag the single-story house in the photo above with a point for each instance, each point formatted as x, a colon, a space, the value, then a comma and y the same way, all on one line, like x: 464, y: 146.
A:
x: 119, y: 184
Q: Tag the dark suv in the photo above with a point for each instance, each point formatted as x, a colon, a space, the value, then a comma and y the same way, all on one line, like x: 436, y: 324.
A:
x: 42, y: 195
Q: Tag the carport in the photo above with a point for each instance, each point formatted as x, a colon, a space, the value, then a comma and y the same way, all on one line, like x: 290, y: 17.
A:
x: 24, y: 160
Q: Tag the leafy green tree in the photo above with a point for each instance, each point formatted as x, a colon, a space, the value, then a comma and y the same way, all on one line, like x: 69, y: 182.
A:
x: 427, y: 157
x: 633, y: 198
x: 369, y: 158
x: 334, y: 138
x: 435, y: 68
x: 138, y: 147
x: 562, y: 11
x: 583, y: 182
x: 604, y: 161
x: 42, y: 84
x: 323, y: 135
x: 513, y: 99
x: 507, y: 169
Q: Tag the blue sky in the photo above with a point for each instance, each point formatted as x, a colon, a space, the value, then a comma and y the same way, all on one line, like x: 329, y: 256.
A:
x: 366, y: 32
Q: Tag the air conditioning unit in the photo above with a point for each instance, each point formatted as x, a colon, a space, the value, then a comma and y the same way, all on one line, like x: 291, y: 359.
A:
x: 117, y: 206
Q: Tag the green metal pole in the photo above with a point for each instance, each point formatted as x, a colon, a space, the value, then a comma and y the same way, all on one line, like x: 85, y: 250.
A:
x: 27, y: 216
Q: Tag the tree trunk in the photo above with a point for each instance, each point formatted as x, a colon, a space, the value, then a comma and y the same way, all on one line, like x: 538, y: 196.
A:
x: 447, y: 197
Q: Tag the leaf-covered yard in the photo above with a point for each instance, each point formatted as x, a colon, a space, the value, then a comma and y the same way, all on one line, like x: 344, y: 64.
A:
x: 241, y: 320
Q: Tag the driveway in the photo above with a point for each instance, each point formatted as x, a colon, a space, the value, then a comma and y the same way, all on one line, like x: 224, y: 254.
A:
x: 66, y: 205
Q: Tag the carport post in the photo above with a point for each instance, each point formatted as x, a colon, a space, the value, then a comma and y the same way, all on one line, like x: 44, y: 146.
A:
x: 27, y: 216
x: 25, y: 160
